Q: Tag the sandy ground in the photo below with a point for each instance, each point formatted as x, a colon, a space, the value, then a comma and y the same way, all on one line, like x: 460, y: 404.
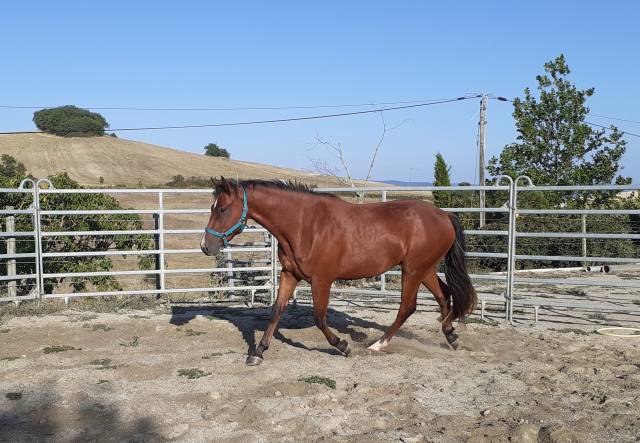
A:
x: 522, y: 384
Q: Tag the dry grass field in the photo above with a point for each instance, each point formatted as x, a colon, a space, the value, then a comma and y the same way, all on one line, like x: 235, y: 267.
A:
x: 124, y: 162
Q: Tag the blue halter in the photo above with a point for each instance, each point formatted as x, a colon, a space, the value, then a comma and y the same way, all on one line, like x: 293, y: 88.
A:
x: 241, y: 224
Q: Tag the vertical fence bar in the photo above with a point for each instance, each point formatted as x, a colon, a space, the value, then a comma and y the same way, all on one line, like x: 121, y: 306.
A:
x: 12, y: 287
x: 510, y: 246
x: 512, y: 251
x: 229, y: 260
x: 37, y: 222
x: 584, y: 240
x: 513, y: 231
x: 161, y: 239
x: 383, y: 276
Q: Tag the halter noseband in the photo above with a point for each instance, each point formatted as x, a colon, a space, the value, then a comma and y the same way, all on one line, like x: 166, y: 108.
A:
x: 240, y: 224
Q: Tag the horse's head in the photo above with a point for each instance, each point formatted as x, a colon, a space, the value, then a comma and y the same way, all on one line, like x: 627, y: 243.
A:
x: 228, y: 216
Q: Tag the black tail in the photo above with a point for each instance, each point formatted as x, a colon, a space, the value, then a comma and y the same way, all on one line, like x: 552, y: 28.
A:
x: 460, y: 287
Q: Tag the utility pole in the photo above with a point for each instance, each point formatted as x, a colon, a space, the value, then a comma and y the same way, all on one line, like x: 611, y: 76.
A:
x: 481, y: 126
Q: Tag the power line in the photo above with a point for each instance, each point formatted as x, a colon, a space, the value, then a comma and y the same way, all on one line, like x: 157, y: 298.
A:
x: 280, y: 120
x: 248, y: 108
x: 609, y: 129
x: 615, y: 118
x: 503, y: 99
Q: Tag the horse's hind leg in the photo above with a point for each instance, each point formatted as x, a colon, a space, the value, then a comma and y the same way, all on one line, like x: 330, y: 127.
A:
x: 320, y: 292
x: 410, y: 285
x: 442, y: 294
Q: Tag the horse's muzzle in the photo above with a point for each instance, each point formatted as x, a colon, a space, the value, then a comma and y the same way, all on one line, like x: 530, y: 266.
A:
x: 210, y: 248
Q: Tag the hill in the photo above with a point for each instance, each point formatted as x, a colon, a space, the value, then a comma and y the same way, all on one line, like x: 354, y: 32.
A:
x: 124, y: 162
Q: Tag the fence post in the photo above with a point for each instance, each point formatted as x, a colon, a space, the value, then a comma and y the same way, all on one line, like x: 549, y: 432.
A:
x: 383, y: 276
x: 510, y: 244
x: 584, y: 240
x: 512, y: 251
x: 159, y: 244
x: 12, y: 287
x: 38, y: 240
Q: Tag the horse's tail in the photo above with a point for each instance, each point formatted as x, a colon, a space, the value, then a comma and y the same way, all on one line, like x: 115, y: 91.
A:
x: 460, y: 287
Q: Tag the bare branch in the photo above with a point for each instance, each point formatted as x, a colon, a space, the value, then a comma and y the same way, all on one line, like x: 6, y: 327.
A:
x: 385, y: 130
x: 322, y: 166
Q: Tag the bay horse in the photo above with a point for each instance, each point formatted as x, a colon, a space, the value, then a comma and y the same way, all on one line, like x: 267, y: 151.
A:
x: 322, y: 238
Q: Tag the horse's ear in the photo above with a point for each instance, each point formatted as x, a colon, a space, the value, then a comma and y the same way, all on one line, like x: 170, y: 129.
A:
x: 224, y: 185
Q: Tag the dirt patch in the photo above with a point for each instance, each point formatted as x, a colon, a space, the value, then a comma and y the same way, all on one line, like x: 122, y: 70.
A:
x: 505, y: 384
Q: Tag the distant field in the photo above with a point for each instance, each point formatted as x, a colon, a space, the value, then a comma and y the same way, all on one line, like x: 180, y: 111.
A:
x: 130, y: 163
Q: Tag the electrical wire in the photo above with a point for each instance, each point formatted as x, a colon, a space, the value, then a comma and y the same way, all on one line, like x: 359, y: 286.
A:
x: 279, y: 120
x: 504, y: 99
x: 248, y: 108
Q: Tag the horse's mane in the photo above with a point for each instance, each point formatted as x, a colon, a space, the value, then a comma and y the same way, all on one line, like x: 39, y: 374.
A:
x: 285, y: 185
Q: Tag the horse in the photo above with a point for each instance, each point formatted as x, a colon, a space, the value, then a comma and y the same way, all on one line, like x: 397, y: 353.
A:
x: 322, y: 238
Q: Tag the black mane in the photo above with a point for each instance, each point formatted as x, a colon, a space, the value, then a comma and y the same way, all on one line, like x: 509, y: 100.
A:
x: 285, y: 185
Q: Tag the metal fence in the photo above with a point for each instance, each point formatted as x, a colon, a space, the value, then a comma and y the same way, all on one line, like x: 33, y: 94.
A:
x: 174, y: 219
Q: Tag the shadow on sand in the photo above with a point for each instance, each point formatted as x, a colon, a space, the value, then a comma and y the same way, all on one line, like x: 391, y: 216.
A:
x: 252, y: 320
x: 40, y: 415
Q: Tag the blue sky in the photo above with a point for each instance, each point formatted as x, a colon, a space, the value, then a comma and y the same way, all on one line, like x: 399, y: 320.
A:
x: 242, y: 54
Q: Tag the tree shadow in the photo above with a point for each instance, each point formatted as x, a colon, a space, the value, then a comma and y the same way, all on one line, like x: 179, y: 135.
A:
x: 251, y: 320
x: 38, y: 415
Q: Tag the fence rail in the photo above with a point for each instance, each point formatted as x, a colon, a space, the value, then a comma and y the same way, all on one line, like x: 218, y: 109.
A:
x: 242, y: 271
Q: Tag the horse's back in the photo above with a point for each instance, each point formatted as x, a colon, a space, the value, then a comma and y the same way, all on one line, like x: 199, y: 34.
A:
x: 377, y: 236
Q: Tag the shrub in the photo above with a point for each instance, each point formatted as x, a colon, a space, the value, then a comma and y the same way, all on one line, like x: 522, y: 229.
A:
x: 71, y: 223
x: 213, y: 150
x: 70, y: 121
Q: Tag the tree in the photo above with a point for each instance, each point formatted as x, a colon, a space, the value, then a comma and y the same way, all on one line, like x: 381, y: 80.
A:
x: 10, y: 168
x: 554, y: 144
x: 324, y: 168
x: 213, y: 150
x: 70, y: 121
x: 441, y: 178
x: 72, y: 223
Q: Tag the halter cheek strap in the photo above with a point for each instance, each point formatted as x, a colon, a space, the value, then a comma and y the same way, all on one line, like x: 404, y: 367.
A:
x: 239, y: 226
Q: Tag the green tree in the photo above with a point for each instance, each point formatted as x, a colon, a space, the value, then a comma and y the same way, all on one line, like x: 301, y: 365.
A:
x: 71, y: 223
x: 10, y: 168
x: 70, y: 121
x: 213, y: 150
x: 554, y: 144
x: 441, y: 178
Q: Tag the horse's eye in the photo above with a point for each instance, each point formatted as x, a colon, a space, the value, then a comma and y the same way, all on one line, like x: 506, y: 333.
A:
x: 223, y: 209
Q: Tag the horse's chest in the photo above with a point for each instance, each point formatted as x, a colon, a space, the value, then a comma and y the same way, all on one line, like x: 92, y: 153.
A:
x: 291, y: 264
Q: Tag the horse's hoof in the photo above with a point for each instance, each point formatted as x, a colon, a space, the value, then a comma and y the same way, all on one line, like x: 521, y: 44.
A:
x: 343, y: 346
x: 254, y: 360
x: 452, y: 339
x: 377, y: 346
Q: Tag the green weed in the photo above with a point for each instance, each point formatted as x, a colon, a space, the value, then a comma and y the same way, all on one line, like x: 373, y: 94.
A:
x: 192, y: 373
x: 135, y: 341
x: 103, y: 363
x: 319, y: 380
x: 58, y: 348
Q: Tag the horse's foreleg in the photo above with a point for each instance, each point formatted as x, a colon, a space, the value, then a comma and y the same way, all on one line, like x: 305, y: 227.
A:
x: 287, y: 285
x: 320, y: 292
x: 410, y: 284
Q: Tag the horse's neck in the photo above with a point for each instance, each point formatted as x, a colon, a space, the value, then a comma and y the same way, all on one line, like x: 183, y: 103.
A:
x: 271, y: 209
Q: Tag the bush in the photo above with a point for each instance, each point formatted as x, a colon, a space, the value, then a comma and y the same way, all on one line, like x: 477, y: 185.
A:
x: 71, y: 223
x: 70, y: 121
x: 213, y: 150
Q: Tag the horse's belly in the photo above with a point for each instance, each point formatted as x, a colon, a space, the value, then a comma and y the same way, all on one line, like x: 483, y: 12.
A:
x: 362, y: 263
